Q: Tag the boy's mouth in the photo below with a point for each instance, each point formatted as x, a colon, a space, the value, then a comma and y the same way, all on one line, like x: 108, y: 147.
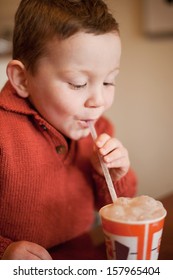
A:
x: 84, y: 123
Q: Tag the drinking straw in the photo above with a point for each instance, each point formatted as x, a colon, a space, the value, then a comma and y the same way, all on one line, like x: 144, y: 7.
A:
x: 103, y: 165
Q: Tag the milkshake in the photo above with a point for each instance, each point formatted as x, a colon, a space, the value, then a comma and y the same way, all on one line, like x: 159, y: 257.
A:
x: 133, y: 227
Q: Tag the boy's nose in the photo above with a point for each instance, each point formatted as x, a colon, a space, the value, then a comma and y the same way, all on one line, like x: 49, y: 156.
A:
x: 95, y: 100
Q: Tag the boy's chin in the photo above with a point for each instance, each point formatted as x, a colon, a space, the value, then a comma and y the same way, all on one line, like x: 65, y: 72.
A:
x: 81, y: 134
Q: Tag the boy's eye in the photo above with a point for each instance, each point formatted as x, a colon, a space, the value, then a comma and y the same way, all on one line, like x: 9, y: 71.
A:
x: 77, y: 86
x: 108, y: 84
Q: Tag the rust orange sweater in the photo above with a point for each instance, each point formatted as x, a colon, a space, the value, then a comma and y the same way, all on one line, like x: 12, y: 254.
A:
x: 48, y: 189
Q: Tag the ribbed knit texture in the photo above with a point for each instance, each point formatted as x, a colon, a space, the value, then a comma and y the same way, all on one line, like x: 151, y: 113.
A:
x: 48, y: 190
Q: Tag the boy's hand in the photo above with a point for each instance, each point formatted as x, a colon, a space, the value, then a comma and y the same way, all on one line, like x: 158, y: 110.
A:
x: 113, y: 154
x: 24, y: 250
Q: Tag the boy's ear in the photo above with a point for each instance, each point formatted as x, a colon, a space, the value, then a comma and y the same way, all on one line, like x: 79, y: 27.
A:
x: 16, y: 73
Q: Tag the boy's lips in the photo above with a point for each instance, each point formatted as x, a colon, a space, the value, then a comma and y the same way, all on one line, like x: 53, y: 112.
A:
x: 84, y: 123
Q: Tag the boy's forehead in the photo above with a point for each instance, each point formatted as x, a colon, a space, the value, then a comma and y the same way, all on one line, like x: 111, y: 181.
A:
x: 85, y: 49
x: 85, y: 41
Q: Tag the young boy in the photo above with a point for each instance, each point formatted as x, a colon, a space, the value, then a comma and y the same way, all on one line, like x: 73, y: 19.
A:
x: 66, y: 57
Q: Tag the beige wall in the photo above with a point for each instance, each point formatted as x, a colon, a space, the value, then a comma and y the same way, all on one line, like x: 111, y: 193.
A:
x: 7, y: 9
x: 143, y: 107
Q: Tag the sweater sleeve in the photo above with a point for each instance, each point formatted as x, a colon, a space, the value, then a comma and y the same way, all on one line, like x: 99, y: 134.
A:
x: 126, y: 186
x: 4, y: 243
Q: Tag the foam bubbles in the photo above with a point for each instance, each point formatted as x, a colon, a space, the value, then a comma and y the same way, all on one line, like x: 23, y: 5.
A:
x: 134, y: 209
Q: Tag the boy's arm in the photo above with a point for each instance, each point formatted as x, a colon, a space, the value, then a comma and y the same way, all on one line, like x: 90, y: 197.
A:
x: 126, y: 187
x: 4, y: 243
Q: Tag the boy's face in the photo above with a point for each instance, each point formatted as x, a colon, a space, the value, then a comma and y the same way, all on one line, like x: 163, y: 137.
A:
x: 75, y: 81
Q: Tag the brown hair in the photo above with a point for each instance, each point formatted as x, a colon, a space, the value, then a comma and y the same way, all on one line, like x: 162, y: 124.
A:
x: 38, y: 21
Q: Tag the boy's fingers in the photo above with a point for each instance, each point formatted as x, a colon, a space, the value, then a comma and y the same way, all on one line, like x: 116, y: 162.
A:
x: 111, y: 145
x: 102, y: 139
x: 115, y: 155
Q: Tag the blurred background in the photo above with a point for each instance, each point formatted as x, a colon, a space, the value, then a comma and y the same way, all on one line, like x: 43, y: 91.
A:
x: 143, y: 108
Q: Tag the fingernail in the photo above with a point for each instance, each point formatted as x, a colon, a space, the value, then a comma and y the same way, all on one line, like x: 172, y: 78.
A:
x: 103, y: 151
x: 99, y: 143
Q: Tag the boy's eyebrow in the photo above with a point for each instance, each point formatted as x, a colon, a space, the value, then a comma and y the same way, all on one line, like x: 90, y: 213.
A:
x: 85, y: 71
x: 115, y: 69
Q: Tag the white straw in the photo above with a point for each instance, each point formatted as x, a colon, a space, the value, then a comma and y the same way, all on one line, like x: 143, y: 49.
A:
x: 103, y: 165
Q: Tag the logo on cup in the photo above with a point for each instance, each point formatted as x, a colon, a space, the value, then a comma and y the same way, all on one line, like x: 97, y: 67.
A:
x: 132, y: 241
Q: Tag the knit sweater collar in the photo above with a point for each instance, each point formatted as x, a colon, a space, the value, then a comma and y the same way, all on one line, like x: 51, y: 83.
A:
x: 11, y: 101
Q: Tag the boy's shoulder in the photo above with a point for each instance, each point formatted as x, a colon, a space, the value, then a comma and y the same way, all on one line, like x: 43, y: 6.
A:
x: 11, y: 102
